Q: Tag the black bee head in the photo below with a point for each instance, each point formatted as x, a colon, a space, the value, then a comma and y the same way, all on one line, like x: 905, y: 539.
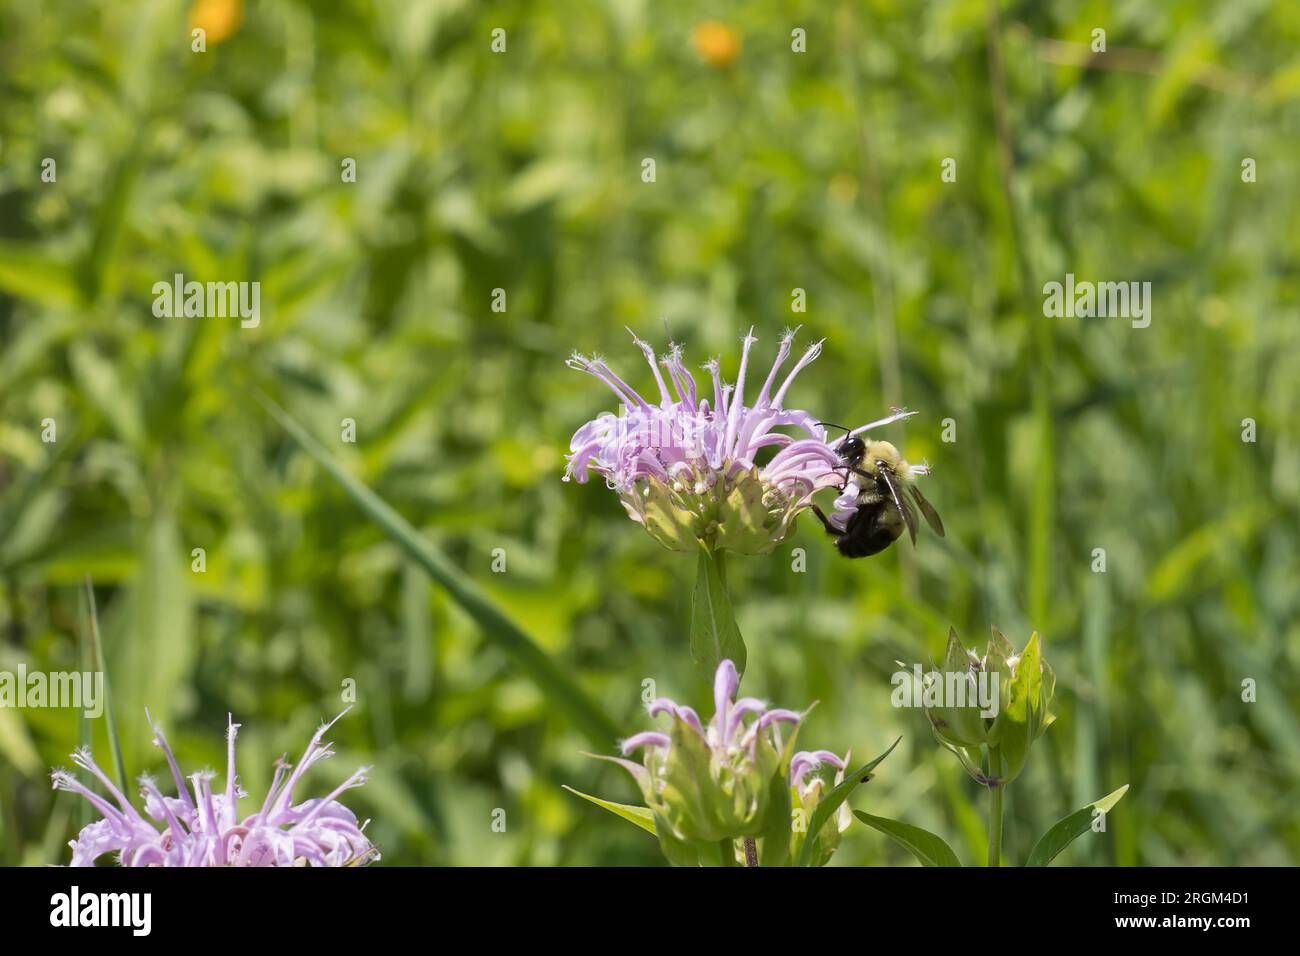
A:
x: 852, y: 449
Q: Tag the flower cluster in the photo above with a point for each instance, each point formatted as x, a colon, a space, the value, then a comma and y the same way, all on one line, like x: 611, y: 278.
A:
x: 203, y: 828
x: 686, y: 467
x: 712, y: 782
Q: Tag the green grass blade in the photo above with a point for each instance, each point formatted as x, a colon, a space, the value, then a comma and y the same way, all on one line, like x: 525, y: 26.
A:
x: 98, y: 648
x: 497, y: 627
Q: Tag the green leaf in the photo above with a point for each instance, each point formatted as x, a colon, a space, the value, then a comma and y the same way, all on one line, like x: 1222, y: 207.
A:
x: 714, y: 634
x: 1064, y: 831
x: 776, y: 834
x: 523, y: 651
x: 643, y: 817
x: 831, y: 802
x: 927, y: 847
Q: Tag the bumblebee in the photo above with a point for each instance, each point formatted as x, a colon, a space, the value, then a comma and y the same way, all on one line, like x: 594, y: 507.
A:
x: 883, y: 510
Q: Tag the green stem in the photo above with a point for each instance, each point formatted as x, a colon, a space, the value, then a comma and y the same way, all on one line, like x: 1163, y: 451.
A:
x: 995, y: 807
x: 995, y: 825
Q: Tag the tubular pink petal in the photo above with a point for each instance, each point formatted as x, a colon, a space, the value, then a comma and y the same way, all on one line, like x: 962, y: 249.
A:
x: 83, y: 759
x: 232, y: 730
x: 738, y: 401
x: 725, y: 684
x: 900, y: 414
x: 810, y: 355
x: 648, y: 738
x: 160, y: 742
x: 784, y: 716
x: 649, y: 353
x: 600, y: 370
x: 781, y: 355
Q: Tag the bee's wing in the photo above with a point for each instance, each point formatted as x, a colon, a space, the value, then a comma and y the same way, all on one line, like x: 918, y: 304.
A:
x: 904, y: 509
x: 927, y: 509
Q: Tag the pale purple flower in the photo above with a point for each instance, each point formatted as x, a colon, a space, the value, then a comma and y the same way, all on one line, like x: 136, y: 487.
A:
x: 710, y: 782
x: 686, y: 465
x: 730, y: 740
x: 202, y: 828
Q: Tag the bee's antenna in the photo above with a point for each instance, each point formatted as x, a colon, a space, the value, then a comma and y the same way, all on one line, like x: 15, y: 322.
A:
x: 833, y: 425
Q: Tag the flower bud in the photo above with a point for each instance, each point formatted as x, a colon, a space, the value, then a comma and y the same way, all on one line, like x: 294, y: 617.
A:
x: 955, y: 706
x: 1028, y: 688
x: 806, y: 792
x: 1000, y: 702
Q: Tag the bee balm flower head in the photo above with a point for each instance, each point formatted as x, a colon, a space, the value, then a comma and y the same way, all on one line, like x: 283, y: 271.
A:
x: 711, y: 782
x: 686, y: 467
x: 201, y: 827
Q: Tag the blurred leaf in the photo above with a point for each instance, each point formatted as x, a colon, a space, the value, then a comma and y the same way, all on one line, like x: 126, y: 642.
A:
x: 16, y: 743
x: 150, y: 636
x: 29, y: 273
x: 498, y: 628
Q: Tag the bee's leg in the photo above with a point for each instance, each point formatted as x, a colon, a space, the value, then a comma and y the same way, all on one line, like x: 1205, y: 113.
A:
x: 830, y: 528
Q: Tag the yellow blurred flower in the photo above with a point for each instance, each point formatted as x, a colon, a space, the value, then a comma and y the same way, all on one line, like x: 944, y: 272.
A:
x: 716, y: 43
x: 218, y: 19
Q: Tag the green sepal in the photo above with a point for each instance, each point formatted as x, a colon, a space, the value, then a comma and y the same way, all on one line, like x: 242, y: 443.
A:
x: 1022, y: 721
x: 676, y: 852
x: 961, y: 726
x: 668, y: 520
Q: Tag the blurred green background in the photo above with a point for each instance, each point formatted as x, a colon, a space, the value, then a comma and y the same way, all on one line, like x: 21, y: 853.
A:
x: 775, y: 171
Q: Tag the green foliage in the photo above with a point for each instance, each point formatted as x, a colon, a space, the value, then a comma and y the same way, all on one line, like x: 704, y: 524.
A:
x: 929, y: 849
x: 780, y: 171
x: 643, y: 817
x: 714, y: 634
x: 834, y: 798
x: 1065, y: 831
